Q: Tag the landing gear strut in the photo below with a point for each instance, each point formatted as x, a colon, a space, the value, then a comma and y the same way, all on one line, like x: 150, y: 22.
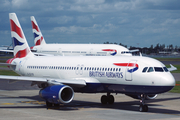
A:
x: 107, y: 99
x: 143, y: 107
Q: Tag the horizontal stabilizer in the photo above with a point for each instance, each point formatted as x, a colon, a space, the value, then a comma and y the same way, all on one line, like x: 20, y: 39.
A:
x: 135, y: 50
x: 7, y: 64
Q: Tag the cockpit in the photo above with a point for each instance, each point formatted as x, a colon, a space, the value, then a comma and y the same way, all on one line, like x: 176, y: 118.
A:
x: 155, y: 69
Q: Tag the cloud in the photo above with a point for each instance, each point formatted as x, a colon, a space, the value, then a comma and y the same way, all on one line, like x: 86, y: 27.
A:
x: 97, y: 21
x: 19, y: 3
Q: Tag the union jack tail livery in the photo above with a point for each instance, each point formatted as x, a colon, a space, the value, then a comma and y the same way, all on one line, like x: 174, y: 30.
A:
x: 38, y: 37
x: 21, y: 48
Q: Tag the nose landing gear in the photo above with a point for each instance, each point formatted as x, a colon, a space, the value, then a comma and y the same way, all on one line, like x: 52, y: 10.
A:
x: 143, y: 107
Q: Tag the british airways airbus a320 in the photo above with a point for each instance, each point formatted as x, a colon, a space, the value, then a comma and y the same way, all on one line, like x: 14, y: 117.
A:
x: 60, y: 76
x: 74, y: 49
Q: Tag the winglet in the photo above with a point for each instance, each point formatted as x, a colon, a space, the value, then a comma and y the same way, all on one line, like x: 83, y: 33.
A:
x: 38, y: 37
x: 21, y: 47
x: 172, y: 68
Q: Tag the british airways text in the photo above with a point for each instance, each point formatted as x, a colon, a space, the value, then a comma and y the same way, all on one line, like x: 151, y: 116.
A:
x: 106, y: 74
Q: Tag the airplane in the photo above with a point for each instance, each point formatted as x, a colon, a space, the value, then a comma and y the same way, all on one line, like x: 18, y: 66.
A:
x: 74, y: 49
x: 60, y: 76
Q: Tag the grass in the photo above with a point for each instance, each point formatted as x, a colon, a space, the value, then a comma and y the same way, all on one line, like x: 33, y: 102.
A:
x: 176, y: 89
x: 168, y: 59
x: 8, y: 72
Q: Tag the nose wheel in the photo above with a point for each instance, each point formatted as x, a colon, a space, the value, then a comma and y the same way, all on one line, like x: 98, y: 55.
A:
x: 143, y: 107
x: 107, y: 99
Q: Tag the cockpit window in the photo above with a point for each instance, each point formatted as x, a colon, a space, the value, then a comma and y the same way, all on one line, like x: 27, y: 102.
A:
x: 150, y: 69
x: 158, y: 69
x: 165, y: 69
x: 145, y: 69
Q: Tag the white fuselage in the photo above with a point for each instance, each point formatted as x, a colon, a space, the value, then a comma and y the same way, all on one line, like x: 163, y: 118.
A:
x: 99, y: 70
x: 82, y: 49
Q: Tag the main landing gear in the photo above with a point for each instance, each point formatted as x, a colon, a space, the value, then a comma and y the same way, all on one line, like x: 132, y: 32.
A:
x: 49, y: 105
x: 107, y: 99
x: 143, y: 107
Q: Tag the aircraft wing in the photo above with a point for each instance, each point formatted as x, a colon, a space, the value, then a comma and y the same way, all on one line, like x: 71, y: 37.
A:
x: 79, y: 82
x: 172, y: 68
x: 5, y: 50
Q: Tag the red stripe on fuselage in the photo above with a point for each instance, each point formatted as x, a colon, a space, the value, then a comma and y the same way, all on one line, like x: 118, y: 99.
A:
x: 112, y: 50
x: 16, y: 29
x: 126, y: 64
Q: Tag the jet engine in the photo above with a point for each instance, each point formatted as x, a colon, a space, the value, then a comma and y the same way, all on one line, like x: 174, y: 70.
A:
x: 57, y: 94
x: 148, y: 97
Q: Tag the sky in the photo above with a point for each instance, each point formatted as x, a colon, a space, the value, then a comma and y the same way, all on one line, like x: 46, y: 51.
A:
x: 139, y: 23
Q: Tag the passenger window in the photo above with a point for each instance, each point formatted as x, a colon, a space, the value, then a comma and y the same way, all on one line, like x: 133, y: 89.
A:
x: 158, y: 69
x: 145, y: 69
x: 150, y: 69
x: 165, y: 69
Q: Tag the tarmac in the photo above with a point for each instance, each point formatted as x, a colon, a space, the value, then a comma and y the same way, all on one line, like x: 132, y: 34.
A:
x: 27, y: 105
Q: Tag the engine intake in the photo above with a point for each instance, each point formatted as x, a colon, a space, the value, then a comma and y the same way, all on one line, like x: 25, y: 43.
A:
x: 57, y: 94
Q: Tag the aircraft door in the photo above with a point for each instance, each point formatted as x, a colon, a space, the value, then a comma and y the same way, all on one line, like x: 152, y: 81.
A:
x: 79, y: 69
x: 129, y: 70
x: 59, y: 51
x: 22, y: 66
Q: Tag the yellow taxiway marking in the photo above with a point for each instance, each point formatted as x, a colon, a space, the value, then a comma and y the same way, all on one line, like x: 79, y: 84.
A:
x: 9, y: 103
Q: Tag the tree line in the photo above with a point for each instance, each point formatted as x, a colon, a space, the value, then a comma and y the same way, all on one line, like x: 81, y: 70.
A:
x: 152, y: 49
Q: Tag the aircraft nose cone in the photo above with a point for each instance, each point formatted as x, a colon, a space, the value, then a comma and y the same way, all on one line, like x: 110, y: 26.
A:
x: 169, y: 80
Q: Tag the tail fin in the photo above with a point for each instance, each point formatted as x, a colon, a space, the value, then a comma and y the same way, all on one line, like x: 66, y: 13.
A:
x: 20, y: 45
x: 38, y: 37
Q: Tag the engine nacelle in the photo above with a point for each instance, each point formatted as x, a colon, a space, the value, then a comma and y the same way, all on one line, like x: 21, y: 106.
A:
x: 148, y: 97
x: 57, y: 94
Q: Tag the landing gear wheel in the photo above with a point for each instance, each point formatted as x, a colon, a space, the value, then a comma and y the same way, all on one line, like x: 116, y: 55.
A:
x: 104, y: 99
x: 143, y: 108
x: 48, y: 104
x: 111, y: 99
x: 56, y: 105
